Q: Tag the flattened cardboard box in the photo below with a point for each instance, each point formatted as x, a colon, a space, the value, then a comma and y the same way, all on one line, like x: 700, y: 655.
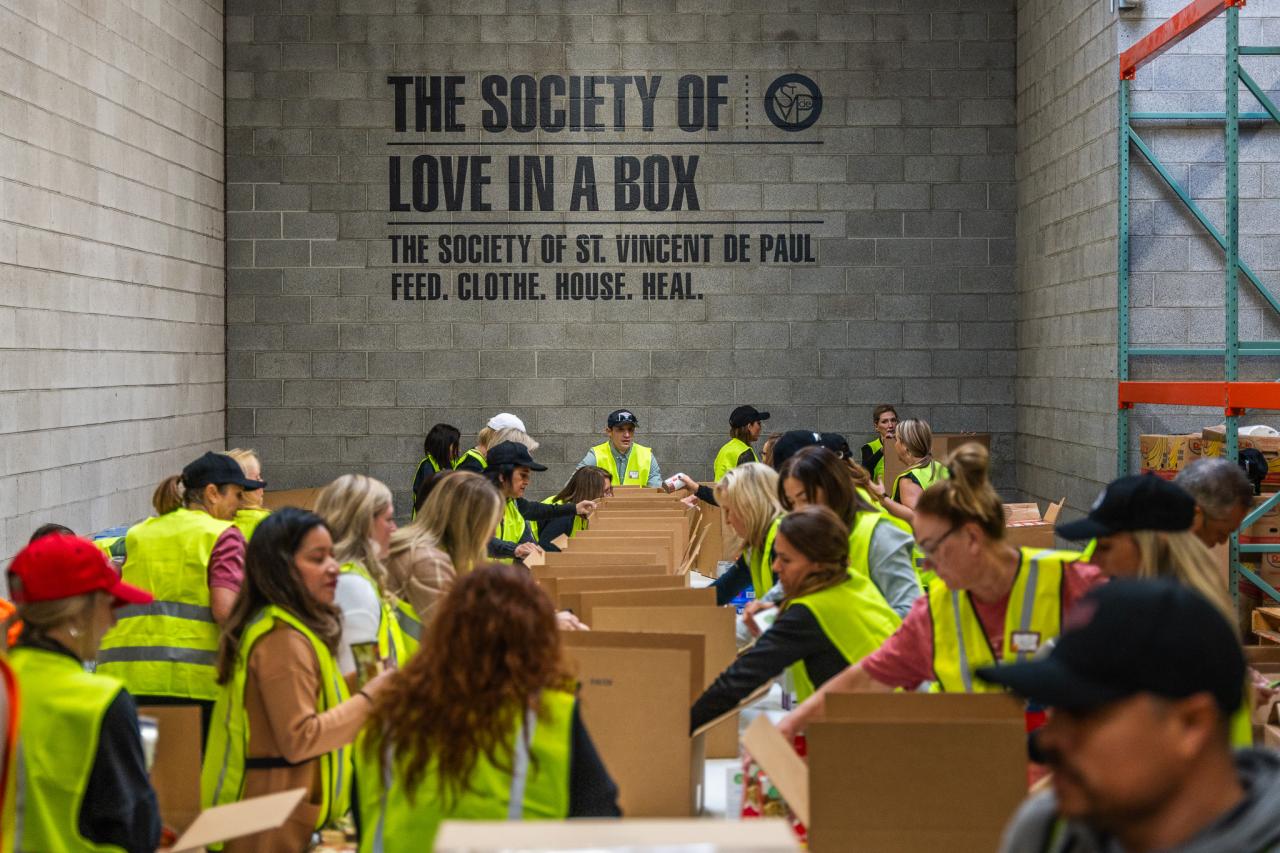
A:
x: 635, y: 697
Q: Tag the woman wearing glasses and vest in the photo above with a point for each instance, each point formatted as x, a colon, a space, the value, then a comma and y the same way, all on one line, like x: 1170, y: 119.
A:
x: 992, y: 602
x: 284, y: 717
x: 745, y: 424
x: 359, y: 513
x: 829, y: 619
x: 628, y: 463
x: 488, y: 731
x: 80, y: 780
x: 439, y: 453
x: 190, y: 557
x: 251, y: 511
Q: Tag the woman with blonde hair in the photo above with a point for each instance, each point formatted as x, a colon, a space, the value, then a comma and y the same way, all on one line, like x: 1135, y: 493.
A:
x: 446, y: 540
x: 474, y: 459
x: 359, y: 512
x: 913, y: 440
x: 251, y: 511
x: 748, y: 495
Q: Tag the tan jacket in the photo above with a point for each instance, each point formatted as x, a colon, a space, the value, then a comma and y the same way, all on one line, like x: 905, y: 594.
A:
x: 421, y: 576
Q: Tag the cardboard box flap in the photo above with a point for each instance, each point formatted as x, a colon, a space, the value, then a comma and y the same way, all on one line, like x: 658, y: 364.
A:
x: 921, y: 707
x: 1051, y: 514
x: 561, y: 541
x: 301, y: 498
x: 786, y: 769
x: 222, y: 823
x: 691, y: 643
x: 595, y: 569
x: 1015, y: 513
x: 753, y: 697
x: 582, y: 603
x: 764, y: 835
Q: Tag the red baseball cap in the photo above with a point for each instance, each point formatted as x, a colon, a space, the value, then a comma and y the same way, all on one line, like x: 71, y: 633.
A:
x: 55, y: 567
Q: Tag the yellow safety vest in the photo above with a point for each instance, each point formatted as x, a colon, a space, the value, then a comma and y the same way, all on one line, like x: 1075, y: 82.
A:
x: 474, y: 454
x: 877, y: 452
x: 510, y: 526
x: 760, y: 561
x: 435, y: 469
x: 62, y: 719
x: 928, y: 475
x: 8, y: 760
x: 223, y: 773
x: 864, y: 526
x: 1032, y: 618
x: 855, y: 619
x: 248, y: 518
x: 537, y: 788
x: 399, y: 629
x: 167, y: 647
x: 579, y: 523
x: 638, y: 461
x: 727, y: 458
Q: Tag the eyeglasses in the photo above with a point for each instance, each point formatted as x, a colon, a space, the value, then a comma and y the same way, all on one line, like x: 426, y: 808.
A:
x: 929, y: 549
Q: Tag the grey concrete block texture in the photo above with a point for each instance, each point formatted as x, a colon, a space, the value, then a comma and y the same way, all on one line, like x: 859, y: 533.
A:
x: 913, y: 183
x: 112, y: 368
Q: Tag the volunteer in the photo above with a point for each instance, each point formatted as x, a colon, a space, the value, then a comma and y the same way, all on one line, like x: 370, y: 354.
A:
x: 766, y: 449
x: 474, y: 459
x: 786, y: 445
x: 359, y: 514
x: 1142, y: 692
x: 284, y: 717
x: 829, y: 617
x: 439, y: 453
x: 50, y: 529
x: 748, y: 495
x: 591, y: 483
x: 879, y: 550
x: 914, y: 442
x: 190, y: 557
x: 628, y: 463
x: 508, y: 469
x: 991, y: 601
x: 251, y: 511
x: 885, y: 420
x: 448, y: 538
x: 81, y: 779
x: 745, y: 424
x: 455, y: 734
x: 1223, y: 496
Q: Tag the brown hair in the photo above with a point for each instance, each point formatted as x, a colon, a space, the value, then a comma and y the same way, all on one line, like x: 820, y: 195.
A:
x: 493, y: 648
x: 818, y: 468
x: 820, y: 535
x: 588, y: 483
x: 742, y: 433
x: 968, y: 495
x: 880, y: 410
x: 917, y: 437
x: 172, y: 494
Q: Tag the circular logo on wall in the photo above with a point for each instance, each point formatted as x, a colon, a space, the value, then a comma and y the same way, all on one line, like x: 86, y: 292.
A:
x: 793, y: 102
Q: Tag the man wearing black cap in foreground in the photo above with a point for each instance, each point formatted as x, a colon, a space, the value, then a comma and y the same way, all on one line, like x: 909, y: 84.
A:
x: 1142, y: 686
x: 745, y: 423
x: 629, y: 464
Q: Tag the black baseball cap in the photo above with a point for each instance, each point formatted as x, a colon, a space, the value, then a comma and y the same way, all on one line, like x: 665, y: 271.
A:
x: 791, y: 443
x: 744, y: 415
x: 836, y: 443
x: 511, y: 453
x: 620, y: 417
x: 1129, y: 637
x: 218, y: 469
x: 1139, y: 502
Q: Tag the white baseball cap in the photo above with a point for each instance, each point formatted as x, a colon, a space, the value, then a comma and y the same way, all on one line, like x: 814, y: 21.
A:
x: 505, y: 420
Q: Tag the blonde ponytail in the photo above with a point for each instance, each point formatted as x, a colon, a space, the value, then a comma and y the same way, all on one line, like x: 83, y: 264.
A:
x: 917, y: 436
x: 1180, y: 555
x: 968, y: 495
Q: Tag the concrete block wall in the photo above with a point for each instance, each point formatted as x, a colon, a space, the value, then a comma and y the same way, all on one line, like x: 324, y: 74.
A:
x: 111, y: 255
x: 911, y: 301
x: 1066, y: 249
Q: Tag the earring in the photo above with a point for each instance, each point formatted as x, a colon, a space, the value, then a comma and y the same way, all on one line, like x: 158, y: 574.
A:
x: 74, y: 631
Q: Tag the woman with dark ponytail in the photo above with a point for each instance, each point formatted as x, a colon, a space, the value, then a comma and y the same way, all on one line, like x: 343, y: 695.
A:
x: 992, y: 603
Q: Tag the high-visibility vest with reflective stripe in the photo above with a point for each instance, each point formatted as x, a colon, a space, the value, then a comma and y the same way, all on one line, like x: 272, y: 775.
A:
x: 63, y: 711
x: 223, y: 773
x: 876, y: 446
x: 168, y: 647
x: 579, y: 523
x: 394, y: 819
x: 760, y: 561
x: 925, y: 477
x: 853, y: 617
x: 248, y: 518
x: 864, y: 526
x: 394, y: 643
x: 435, y: 469
x: 473, y: 454
x: 510, y: 526
x: 729, y: 454
x: 639, y: 458
x: 1033, y: 618
x: 10, y: 717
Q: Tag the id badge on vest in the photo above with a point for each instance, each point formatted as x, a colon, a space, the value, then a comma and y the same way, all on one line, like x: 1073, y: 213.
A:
x: 1025, y: 642
x: 634, y: 475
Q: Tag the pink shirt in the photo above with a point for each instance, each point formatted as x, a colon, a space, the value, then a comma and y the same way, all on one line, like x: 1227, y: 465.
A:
x: 906, y: 658
x: 226, y: 563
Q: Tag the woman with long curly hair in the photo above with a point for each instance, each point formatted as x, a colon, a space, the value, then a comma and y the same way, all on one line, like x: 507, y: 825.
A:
x: 483, y: 725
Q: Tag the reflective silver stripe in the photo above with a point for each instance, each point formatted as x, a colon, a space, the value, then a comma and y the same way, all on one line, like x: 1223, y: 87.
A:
x: 1029, y: 600
x: 157, y: 654
x: 520, y: 766
x: 409, y: 625
x: 175, y: 609
x: 965, y: 675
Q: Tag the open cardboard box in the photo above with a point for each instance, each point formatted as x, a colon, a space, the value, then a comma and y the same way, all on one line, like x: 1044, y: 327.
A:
x: 1269, y: 446
x: 636, y: 692
x: 1266, y: 625
x: 944, y: 443
x: 875, y: 758
x: 584, y: 603
x: 632, y: 836
x: 624, y: 541
x: 301, y: 498
x: 555, y: 587
x: 605, y: 558
x: 1026, y: 528
x: 599, y: 569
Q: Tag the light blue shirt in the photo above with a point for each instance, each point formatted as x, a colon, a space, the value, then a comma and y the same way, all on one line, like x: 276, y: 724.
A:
x: 620, y: 462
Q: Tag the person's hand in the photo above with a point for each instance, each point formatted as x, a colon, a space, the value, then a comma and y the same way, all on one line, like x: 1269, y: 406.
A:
x: 566, y: 621
x: 689, y: 500
x: 524, y: 549
x: 378, y: 683
x: 688, y: 482
x: 793, y: 724
x: 585, y: 508
x: 749, y: 612
x: 877, y: 489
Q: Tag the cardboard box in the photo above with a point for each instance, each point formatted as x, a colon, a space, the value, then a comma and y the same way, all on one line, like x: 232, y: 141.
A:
x: 657, y: 545
x: 603, y: 559
x: 1166, y: 455
x: 636, y: 692
x: 583, y: 603
x: 234, y: 820
x: 944, y: 444
x: 1266, y: 530
x: 301, y: 498
x: 1026, y: 528
x: 1215, y: 439
x: 175, y: 774
x: 633, y: 836
x: 874, y: 758
x: 714, y: 624
x: 1266, y: 625
x: 1265, y: 566
x: 557, y: 586
x: 599, y: 570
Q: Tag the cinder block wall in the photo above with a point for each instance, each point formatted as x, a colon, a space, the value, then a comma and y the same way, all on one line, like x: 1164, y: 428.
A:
x: 111, y: 255
x: 1066, y: 166
x: 912, y: 300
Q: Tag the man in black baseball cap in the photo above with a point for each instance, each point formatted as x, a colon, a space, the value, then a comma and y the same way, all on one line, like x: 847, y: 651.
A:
x: 1142, y: 686
x: 1126, y: 505
x: 745, y: 423
x: 629, y: 464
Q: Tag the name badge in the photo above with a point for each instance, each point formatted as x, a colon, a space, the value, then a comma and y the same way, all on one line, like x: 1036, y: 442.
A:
x: 1025, y: 642
x: 635, y: 475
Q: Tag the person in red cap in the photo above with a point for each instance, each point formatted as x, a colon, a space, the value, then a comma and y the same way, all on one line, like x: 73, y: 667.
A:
x: 81, y: 780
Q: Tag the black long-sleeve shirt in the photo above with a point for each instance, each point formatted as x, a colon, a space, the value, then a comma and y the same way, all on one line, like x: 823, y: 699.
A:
x: 531, y: 511
x: 794, y: 636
